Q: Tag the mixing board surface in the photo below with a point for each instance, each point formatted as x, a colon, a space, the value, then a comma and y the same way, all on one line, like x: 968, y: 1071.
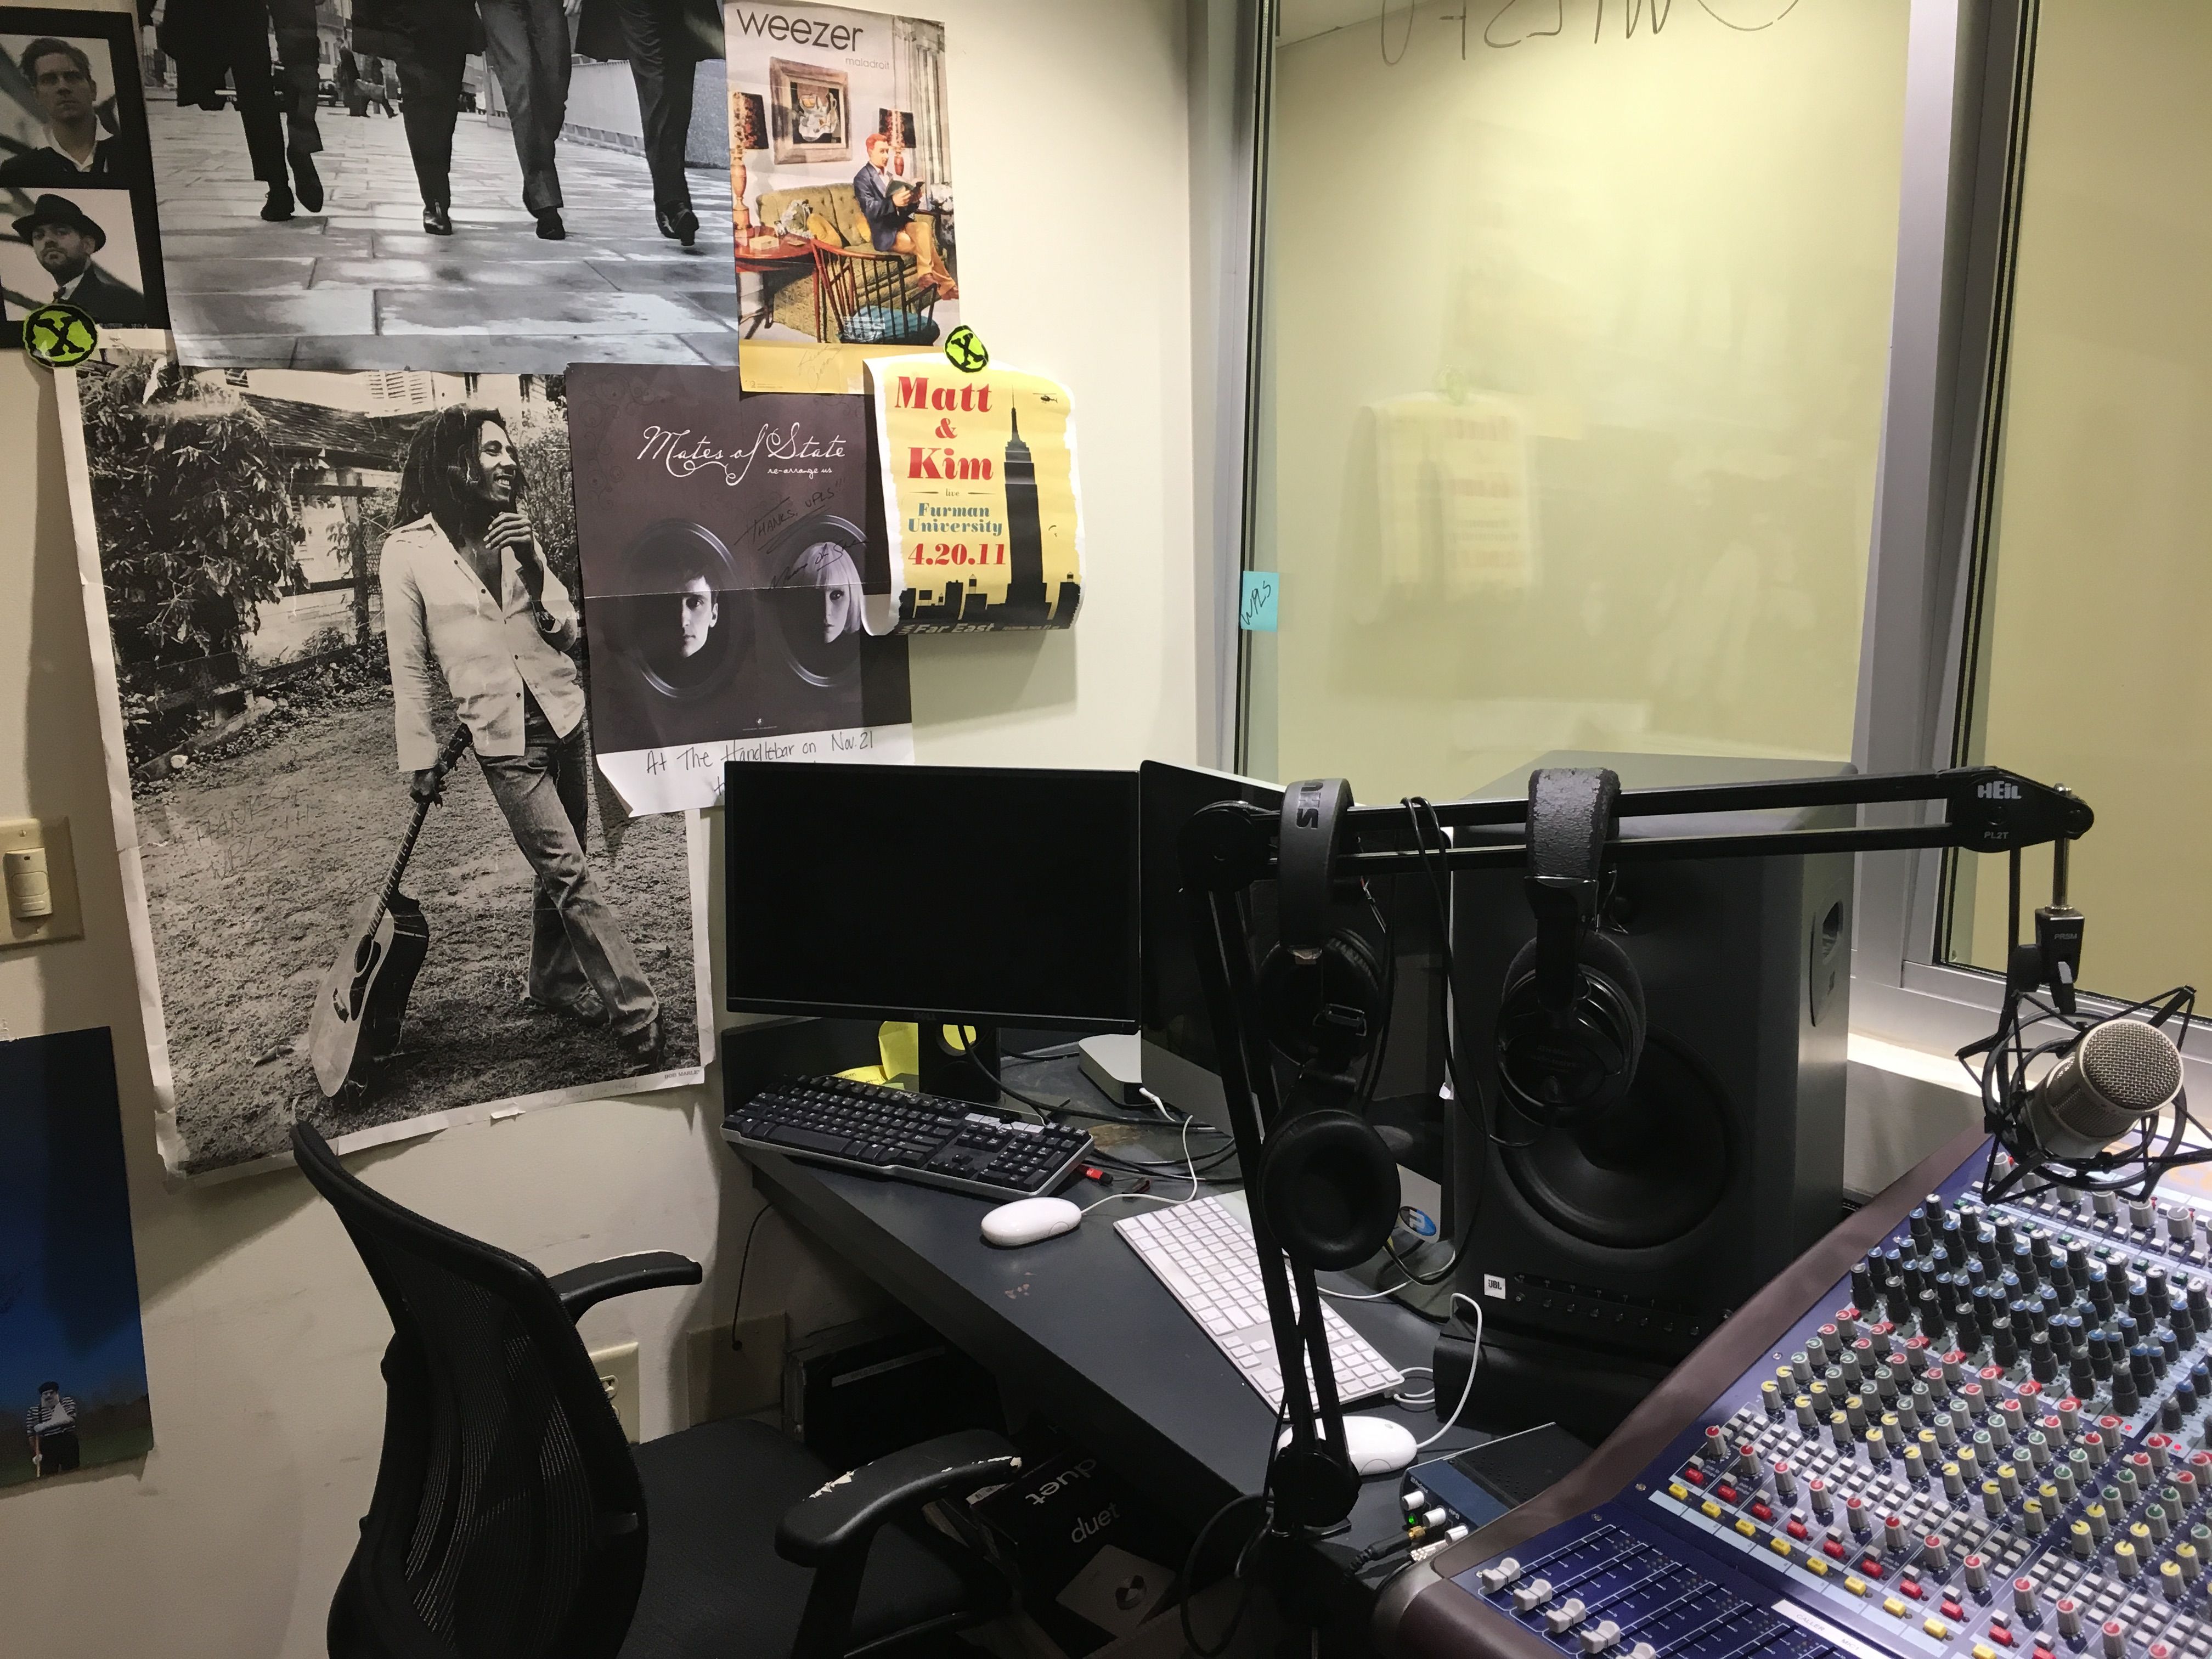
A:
x: 1987, y: 1440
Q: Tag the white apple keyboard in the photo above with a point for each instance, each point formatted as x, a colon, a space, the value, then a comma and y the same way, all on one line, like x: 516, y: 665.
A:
x: 1202, y: 1252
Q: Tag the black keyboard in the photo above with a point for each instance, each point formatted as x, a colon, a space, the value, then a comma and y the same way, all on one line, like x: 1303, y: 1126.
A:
x: 925, y: 1139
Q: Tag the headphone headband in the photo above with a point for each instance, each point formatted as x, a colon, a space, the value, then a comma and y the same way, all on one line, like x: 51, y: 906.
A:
x: 1313, y: 812
x: 1571, y: 816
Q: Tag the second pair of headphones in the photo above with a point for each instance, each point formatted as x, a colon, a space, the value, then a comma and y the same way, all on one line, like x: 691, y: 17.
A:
x: 1328, y: 1184
x: 1570, y: 1018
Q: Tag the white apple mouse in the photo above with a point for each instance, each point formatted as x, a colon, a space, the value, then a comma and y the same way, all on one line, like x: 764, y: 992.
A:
x: 1026, y: 1220
x: 1375, y: 1444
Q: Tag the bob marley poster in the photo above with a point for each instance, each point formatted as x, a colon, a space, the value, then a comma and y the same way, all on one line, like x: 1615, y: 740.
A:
x: 342, y: 670
x: 980, y: 497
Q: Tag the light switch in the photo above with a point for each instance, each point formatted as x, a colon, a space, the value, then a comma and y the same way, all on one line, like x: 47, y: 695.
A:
x: 41, y: 882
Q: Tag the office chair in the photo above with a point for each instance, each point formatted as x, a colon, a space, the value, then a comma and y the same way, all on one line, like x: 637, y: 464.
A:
x: 509, y: 1518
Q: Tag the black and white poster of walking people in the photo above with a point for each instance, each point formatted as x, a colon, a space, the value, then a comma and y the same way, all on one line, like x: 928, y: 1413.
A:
x: 464, y: 185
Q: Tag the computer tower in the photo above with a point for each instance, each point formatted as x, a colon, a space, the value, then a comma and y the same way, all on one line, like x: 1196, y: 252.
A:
x: 1603, y: 1253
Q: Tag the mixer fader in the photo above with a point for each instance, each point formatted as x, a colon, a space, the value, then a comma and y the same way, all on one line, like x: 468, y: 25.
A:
x: 1987, y: 1439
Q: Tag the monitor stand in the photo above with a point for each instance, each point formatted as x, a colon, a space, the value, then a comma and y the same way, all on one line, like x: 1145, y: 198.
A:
x: 947, y: 1073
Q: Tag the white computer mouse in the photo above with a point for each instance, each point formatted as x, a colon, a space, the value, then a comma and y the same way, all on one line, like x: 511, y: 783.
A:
x: 1026, y: 1220
x: 1375, y: 1444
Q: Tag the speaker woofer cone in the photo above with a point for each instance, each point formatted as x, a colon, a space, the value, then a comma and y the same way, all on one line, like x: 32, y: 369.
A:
x: 1641, y: 1174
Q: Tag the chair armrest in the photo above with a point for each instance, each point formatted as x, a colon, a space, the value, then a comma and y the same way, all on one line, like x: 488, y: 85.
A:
x: 844, y: 1515
x: 595, y: 1281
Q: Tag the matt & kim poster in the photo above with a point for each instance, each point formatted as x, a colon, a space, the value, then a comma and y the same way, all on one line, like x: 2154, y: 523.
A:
x: 980, y: 495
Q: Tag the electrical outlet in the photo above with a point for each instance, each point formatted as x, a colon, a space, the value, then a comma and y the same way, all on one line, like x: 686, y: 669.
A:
x: 618, y: 1373
x: 740, y: 1381
x: 41, y: 883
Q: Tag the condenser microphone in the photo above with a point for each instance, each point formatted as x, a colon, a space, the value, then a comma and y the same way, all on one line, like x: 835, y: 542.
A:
x: 2121, y: 1072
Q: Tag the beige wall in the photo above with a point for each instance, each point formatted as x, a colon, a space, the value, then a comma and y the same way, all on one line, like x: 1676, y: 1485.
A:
x: 262, y: 1332
x: 2093, y: 661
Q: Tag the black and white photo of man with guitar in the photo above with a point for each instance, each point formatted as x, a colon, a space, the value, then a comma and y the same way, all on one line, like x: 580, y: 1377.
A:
x: 472, y: 611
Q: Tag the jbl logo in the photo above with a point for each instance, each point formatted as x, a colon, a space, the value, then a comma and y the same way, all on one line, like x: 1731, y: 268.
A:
x: 1493, y: 1287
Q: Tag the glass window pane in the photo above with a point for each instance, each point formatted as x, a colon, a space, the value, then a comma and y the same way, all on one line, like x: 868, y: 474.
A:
x: 2089, y: 666
x: 1572, y: 358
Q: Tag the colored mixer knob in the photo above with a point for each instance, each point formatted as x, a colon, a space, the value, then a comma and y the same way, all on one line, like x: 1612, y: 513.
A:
x: 1977, y: 1574
x: 2023, y: 1596
x: 2070, y: 1617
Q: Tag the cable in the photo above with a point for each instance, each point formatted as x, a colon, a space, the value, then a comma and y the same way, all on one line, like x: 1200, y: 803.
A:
x: 1038, y: 1056
x: 744, y: 1261
x: 1413, y: 1399
x: 1471, y: 1100
x: 1154, y: 1197
x: 1190, y: 1569
x: 1473, y: 1365
x: 1212, y: 1160
x: 1412, y: 1278
x: 968, y: 1052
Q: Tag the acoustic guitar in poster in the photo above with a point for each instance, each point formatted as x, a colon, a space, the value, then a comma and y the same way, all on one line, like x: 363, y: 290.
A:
x: 363, y: 998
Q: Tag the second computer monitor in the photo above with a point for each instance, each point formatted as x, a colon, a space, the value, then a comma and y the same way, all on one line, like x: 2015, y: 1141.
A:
x: 980, y: 894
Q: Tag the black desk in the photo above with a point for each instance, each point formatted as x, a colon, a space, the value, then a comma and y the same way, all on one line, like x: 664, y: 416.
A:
x: 1080, y: 1326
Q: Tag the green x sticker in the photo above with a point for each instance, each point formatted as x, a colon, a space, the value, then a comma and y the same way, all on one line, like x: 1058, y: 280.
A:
x: 963, y: 347
x: 60, y: 335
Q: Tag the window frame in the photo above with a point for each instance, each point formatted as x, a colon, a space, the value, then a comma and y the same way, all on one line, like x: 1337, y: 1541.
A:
x: 1968, y: 97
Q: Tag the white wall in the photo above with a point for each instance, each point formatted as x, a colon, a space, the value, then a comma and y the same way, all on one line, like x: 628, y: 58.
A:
x: 262, y: 1332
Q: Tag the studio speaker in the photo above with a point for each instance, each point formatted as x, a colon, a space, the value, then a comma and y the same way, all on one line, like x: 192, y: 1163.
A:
x: 1605, y: 1248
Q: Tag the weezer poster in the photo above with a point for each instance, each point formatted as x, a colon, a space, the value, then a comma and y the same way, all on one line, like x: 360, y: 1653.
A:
x: 723, y: 540
x: 343, y: 673
x: 841, y: 174
x: 980, y: 495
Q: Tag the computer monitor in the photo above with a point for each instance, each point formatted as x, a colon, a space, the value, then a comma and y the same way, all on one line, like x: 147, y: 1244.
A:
x: 945, y: 895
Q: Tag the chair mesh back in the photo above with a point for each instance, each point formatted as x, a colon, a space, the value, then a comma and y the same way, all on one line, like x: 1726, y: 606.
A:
x: 507, y: 1521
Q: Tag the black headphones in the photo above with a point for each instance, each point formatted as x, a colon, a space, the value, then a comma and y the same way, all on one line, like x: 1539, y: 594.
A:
x: 1328, y: 1184
x: 1570, y: 1020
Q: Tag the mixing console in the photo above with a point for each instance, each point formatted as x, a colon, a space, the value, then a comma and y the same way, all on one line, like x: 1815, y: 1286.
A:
x: 1988, y: 1439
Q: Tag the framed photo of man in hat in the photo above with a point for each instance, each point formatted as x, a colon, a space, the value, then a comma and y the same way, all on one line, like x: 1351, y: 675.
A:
x: 77, y: 219
x: 62, y: 249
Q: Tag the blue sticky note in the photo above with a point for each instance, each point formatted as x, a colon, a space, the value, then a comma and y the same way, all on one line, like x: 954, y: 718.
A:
x: 1257, y: 612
